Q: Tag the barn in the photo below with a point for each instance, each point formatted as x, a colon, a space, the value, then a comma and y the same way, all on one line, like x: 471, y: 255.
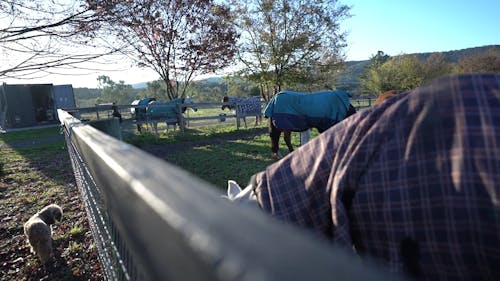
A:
x: 31, y: 105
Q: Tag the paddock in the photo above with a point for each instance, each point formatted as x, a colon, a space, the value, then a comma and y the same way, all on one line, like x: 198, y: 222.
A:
x: 208, y: 114
x: 155, y: 221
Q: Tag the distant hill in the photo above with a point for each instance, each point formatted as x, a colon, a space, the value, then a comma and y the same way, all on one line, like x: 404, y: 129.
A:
x: 142, y: 85
x: 214, y: 79
x: 348, y: 78
x: 457, y: 55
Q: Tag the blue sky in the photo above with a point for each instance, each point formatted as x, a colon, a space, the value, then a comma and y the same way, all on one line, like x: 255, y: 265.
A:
x: 392, y: 26
x: 413, y: 26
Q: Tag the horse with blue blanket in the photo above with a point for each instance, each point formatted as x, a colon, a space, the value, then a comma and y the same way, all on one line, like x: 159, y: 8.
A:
x: 296, y: 111
x: 250, y: 106
x: 138, y: 111
x: 159, y: 111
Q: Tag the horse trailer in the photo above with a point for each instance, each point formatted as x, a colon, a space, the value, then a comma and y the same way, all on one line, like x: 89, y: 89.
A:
x: 32, y: 105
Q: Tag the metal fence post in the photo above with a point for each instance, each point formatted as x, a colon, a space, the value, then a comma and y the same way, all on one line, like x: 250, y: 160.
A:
x: 108, y: 126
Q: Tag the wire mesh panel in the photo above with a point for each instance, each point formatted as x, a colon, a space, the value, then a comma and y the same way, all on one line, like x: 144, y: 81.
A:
x: 154, y: 221
x: 112, y: 254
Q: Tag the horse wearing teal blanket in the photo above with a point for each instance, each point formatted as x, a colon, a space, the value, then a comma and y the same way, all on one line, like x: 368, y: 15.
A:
x: 163, y: 111
x: 168, y: 111
x: 296, y: 111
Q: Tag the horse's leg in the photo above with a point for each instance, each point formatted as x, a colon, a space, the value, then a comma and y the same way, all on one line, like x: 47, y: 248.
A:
x: 287, y: 135
x: 154, y: 126
x: 274, y: 134
x: 305, y: 136
x: 256, y: 121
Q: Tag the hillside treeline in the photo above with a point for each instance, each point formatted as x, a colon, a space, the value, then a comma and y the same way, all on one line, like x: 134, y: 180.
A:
x: 384, y: 73
x: 379, y: 74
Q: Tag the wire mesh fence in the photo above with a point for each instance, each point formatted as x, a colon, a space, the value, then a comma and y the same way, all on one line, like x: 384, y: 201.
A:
x: 151, y: 220
x: 113, y: 255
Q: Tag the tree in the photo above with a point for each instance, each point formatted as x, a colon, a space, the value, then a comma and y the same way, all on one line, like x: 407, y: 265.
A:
x: 238, y: 87
x: 284, y: 41
x: 370, y: 79
x: 402, y: 72
x: 436, y: 65
x: 156, y: 89
x: 38, y: 38
x: 119, y: 93
x: 484, y: 62
x: 178, y: 39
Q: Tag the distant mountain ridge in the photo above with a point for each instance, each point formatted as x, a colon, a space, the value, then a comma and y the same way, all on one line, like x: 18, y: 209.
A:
x: 348, y: 77
x: 456, y: 55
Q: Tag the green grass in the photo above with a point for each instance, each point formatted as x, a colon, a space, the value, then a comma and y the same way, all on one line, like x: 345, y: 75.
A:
x: 190, y: 134
x: 30, y: 134
x: 216, y: 163
x: 234, y: 159
x: 77, y: 230
x: 31, y: 154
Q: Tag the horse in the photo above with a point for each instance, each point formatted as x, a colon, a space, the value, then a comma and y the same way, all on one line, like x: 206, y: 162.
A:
x: 167, y: 111
x: 250, y: 106
x: 298, y: 112
x: 384, y: 96
x: 138, y: 111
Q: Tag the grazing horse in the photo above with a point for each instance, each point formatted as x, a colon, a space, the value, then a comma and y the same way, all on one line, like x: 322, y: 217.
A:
x: 168, y: 112
x: 295, y: 111
x: 138, y: 111
x: 245, y: 107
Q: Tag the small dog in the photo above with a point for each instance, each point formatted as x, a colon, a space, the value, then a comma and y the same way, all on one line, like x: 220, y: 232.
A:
x: 39, y: 233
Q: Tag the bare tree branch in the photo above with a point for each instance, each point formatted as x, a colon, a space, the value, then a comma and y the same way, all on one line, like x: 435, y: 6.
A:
x: 178, y: 39
x: 38, y: 36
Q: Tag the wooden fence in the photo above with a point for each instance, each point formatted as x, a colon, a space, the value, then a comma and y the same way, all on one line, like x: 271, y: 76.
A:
x: 105, y: 112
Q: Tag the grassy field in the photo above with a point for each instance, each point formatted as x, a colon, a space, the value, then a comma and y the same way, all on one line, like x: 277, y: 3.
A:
x: 216, y: 153
x: 35, y: 174
x: 32, y: 177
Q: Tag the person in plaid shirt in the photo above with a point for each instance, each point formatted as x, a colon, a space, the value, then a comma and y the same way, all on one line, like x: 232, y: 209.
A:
x: 413, y: 182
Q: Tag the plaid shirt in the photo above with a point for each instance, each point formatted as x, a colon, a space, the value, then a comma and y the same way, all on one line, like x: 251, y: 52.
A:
x: 413, y: 182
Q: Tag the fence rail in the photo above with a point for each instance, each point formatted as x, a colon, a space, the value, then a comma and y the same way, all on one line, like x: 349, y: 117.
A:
x: 104, y: 112
x: 154, y: 221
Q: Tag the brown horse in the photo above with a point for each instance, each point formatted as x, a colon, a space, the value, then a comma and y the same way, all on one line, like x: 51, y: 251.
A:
x: 295, y: 111
x: 385, y: 96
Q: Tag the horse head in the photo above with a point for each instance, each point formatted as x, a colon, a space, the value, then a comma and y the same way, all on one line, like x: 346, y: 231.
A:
x: 224, y: 100
x: 189, y: 103
x: 139, y: 107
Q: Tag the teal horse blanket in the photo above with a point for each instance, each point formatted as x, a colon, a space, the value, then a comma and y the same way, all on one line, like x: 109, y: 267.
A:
x: 297, y: 111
